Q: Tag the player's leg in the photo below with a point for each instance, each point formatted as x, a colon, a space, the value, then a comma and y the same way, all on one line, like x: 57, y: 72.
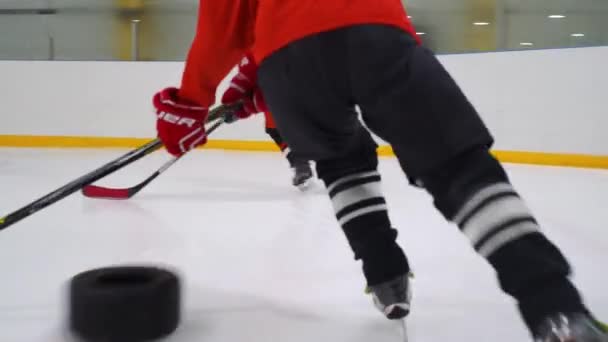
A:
x: 302, y: 172
x: 354, y: 186
x: 410, y: 100
x: 316, y: 117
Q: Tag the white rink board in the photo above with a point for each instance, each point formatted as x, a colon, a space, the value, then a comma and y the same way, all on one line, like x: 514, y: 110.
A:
x: 546, y: 100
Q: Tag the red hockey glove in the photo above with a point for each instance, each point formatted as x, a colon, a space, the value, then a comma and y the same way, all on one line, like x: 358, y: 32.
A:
x: 179, y: 123
x: 243, y: 87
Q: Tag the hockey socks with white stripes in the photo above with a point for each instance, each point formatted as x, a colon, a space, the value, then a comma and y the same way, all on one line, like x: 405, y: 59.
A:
x: 474, y: 192
x: 354, y: 186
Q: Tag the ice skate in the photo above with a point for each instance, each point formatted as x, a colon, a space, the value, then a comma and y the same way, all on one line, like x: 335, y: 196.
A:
x: 303, y: 175
x: 393, y: 297
x: 571, y: 328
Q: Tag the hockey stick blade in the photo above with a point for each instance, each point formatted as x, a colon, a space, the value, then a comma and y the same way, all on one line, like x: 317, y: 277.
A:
x: 89, y: 178
x: 101, y: 192
x: 95, y: 191
x: 78, y: 184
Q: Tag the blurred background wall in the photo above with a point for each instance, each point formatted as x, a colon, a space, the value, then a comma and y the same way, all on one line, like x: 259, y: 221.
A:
x: 161, y: 30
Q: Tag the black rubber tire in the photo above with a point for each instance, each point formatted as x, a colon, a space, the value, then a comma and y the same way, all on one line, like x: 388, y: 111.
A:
x: 126, y: 303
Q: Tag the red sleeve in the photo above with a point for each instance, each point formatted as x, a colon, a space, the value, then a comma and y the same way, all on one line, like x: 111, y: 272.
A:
x: 224, y: 33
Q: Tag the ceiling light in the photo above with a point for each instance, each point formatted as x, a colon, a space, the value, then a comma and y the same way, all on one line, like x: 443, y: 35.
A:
x: 526, y: 44
x: 557, y: 16
x: 421, y: 33
x: 578, y: 35
x: 481, y: 23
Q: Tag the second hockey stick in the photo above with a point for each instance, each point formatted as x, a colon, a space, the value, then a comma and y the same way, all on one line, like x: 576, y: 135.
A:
x: 78, y: 183
x: 91, y: 177
x: 95, y: 191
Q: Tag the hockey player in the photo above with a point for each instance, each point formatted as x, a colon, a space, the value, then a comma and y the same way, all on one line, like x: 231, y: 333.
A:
x: 317, y: 60
x: 245, y: 80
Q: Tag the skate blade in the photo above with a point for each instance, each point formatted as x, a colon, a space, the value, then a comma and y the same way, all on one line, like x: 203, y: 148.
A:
x: 404, y: 330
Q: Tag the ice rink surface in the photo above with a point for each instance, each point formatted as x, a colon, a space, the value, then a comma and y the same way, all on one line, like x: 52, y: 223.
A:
x: 261, y: 261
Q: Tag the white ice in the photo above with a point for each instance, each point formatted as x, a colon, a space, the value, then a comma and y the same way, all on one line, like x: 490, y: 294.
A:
x: 261, y: 261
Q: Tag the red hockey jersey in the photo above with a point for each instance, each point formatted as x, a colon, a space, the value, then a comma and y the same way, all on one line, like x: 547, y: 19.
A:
x: 227, y: 29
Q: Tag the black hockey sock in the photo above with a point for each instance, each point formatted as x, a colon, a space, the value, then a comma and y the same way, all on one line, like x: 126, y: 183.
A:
x: 474, y: 192
x: 361, y: 210
x: 354, y: 186
x: 293, y: 159
x: 276, y: 137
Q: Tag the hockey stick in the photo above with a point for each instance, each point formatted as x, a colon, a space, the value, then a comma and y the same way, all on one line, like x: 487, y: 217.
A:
x: 78, y: 183
x: 89, y: 178
x: 95, y: 191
